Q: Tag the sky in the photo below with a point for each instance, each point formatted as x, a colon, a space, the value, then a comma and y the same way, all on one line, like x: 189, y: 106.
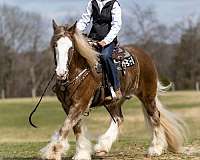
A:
x: 168, y: 11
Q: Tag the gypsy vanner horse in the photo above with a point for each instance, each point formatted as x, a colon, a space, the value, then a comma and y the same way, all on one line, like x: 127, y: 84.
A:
x: 75, y: 69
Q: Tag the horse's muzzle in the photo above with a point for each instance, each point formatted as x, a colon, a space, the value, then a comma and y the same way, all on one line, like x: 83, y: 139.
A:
x: 62, y: 75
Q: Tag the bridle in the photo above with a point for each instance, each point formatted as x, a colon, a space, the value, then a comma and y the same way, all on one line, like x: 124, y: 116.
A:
x: 70, y: 56
x: 66, y: 83
x: 63, y: 84
x: 54, y: 40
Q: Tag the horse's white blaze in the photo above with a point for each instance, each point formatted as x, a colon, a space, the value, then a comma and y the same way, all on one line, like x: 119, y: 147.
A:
x: 63, y: 46
x: 83, y: 147
x: 106, y: 140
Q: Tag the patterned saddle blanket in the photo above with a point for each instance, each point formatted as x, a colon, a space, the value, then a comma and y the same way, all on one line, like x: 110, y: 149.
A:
x: 121, y: 57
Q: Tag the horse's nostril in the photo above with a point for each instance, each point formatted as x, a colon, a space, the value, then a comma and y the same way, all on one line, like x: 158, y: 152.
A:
x: 61, y: 73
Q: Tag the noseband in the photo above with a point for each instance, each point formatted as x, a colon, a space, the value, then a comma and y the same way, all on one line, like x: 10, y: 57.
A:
x: 81, y: 76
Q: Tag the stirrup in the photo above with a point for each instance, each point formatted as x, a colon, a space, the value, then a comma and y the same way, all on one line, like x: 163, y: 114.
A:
x: 118, y: 94
x: 113, y: 94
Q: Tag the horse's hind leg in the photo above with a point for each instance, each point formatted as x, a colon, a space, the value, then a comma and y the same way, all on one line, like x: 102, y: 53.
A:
x: 106, y: 140
x: 152, y: 116
x: 168, y: 130
x: 83, y: 145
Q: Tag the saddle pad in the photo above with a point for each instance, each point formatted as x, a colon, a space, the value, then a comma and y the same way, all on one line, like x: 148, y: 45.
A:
x: 121, y: 57
x: 127, y: 61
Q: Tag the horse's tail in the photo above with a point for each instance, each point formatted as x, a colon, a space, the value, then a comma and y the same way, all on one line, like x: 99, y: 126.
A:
x: 174, y: 127
x: 163, y: 89
x: 171, y: 132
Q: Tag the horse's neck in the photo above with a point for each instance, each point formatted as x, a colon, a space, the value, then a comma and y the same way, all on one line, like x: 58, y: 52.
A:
x: 78, y: 63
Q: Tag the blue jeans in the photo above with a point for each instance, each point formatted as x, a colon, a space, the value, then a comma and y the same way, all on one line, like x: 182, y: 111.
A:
x: 109, y: 66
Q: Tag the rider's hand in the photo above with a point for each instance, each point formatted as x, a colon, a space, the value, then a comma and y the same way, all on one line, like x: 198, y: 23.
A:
x: 102, y: 43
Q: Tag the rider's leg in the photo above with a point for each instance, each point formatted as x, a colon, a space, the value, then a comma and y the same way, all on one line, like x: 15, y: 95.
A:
x: 110, y: 67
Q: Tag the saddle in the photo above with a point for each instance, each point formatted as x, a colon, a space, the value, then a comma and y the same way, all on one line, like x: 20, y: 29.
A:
x: 121, y: 57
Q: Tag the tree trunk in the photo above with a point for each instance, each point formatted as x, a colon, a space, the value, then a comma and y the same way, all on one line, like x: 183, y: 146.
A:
x: 33, y: 92
x: 197, y: 86
x: 173, y: 86
x: 3, y: 94
x: 33, y: 79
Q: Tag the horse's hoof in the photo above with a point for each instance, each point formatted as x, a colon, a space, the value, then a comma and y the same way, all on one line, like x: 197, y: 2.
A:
x: 153, y: 151
x: 100, y: 153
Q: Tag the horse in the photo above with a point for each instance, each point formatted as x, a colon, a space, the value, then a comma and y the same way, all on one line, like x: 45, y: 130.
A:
x: 77, y: 83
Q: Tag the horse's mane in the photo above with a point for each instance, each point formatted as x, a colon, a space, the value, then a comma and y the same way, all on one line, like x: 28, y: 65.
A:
x: 84, y: 49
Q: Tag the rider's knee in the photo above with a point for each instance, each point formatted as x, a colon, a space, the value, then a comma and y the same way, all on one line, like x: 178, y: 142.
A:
x: 106, y: 57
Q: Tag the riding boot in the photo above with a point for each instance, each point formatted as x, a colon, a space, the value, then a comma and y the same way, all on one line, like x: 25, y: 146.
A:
x: 118, y: 94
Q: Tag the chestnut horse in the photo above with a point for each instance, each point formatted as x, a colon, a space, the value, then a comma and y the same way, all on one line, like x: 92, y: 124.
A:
x: 75, y: 70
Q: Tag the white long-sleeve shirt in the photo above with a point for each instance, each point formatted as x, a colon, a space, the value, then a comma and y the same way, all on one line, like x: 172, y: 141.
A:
x: 115, y: 24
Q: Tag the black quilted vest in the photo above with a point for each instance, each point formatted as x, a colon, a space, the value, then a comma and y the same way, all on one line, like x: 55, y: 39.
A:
x: 101, y: 20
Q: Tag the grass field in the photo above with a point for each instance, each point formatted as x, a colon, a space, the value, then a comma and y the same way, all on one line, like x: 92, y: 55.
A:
x: 18, y: 141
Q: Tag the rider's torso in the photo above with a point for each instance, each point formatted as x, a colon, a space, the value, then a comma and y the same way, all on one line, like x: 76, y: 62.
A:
x: 102, y: 18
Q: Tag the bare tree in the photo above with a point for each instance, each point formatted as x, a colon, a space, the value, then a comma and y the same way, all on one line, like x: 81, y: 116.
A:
x: 140, y: 24
x: 21, y: 32
x: 187, y: 60
x: 143, y: 29
x: 6, y: 64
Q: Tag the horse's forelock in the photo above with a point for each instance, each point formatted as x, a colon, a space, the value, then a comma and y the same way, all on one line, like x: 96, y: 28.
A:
x: 81, y: 43
x: 58, y: 33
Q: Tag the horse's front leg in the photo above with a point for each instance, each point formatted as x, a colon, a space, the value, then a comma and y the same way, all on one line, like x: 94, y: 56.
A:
x: 106, y: 140
x: 83, y: 144
x: 58, y: 145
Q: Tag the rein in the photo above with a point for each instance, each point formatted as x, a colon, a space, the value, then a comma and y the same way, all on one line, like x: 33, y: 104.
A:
x: 31, y: 114
x: 63, y: 85
x: 80, y: 77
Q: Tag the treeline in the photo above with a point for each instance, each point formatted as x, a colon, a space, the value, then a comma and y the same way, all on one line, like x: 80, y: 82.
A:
x: 25, y: 57
x: 26, y: 61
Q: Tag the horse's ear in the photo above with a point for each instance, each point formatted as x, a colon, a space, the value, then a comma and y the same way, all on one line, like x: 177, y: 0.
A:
x: 54, y: 24
x: 72, y: 29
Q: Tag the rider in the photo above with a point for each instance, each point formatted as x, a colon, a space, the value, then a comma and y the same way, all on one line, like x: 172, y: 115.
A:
x: 106, y: 24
